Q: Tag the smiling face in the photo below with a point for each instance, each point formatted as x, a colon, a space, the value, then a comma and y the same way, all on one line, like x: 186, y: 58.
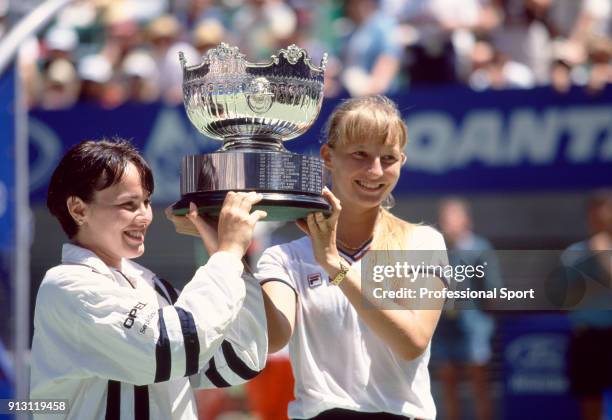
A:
x: 364, y: 151
x: 364, y: 173
x: 114, y: 223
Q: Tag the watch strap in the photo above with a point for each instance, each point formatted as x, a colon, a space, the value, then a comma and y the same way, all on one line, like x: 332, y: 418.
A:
x: 337, y: 279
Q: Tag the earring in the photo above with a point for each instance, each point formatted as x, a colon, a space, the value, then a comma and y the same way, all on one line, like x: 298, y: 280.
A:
x: 389, y: 202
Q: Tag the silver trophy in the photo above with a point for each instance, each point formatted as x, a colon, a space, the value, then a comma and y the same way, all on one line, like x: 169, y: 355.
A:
x: 253, y: 108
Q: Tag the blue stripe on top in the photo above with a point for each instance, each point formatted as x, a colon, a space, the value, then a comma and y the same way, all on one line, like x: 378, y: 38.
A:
x: 161, y: 292
x: 214, y: 376
x: 113, y: 400
x: 163, y: 358
x: 141, y: 402
x: 235, y: 363
x: 191, y: 342
x: 170, y: 289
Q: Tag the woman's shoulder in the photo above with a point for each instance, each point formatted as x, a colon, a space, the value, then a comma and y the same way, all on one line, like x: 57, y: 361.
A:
x: 418, y: 231
x: 63, y: 284
x: 299, y: 246
x: 63, y: 275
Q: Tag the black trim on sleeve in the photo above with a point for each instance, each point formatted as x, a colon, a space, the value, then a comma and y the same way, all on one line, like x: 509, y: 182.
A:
x: 141, y: 402
x: 190, y: 339
x: 170, y: 289
x: 235, y: 363
x: 163, y: 357
x: 113, y: 400
x: 214, y: 376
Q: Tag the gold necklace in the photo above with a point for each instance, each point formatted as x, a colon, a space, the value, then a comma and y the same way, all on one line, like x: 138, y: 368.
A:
x: 347, y: 247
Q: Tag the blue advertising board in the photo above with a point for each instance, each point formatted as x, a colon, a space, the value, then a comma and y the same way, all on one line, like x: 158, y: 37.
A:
x: 536, y: 382
x: 7, y: 221
x: 7, y: 160
x: 459, y: 140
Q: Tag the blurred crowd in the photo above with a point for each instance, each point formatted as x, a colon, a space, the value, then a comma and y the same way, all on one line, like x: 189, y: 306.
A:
x: 113, y: 52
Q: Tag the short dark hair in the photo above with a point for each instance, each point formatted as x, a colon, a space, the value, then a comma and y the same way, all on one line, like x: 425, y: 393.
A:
x: 88, y: 167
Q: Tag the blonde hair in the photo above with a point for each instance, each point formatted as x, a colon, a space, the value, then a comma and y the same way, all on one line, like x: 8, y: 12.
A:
x: 377, y: 119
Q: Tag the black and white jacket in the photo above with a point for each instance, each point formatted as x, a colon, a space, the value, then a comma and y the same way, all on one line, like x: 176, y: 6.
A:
x: 123, y: 344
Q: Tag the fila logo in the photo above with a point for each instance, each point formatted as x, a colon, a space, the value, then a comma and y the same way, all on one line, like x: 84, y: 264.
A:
x: 314, y: 280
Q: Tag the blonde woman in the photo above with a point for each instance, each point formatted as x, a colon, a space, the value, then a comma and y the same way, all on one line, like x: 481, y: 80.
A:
x: 350, y: 361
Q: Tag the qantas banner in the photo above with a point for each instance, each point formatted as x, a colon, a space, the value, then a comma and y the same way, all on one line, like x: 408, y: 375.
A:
x: 460, y: 140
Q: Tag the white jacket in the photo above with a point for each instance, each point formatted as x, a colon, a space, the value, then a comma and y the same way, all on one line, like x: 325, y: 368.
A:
x: 123, y: 345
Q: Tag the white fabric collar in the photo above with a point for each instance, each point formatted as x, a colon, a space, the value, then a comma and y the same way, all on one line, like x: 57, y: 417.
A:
x: 74, y: 254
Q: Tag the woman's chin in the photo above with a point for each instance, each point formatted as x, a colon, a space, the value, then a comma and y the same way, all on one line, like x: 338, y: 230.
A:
x: 365, y: 205
x: 369, y: 199
x: 134, y: 252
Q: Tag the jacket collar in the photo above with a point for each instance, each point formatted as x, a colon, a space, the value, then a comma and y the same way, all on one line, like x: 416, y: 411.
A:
x: 74, y: 254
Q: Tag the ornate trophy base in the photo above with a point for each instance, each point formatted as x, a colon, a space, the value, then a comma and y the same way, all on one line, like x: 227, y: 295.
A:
x: 290, y: 183
x: 280, y: 207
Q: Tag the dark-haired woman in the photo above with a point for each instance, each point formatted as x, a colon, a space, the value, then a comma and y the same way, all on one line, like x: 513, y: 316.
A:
x: 112, y: 338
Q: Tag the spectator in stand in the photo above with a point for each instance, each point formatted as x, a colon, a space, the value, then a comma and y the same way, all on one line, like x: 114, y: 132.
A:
x: 599, y: 49
x: 524, y: 38
x: 36, y: 56
x: 122, y: 35
x: 562, y: 16
x: 303, y: 36
x: 593, y: 20
x: 97, y: 85
x: 371, y: 55
x: 139, y: 72
x: 208, y: 34
x: 483, y: 43
x: 61, y: 85
x: 164, y: 35
x: 582, y: 44
x: 192, y: 12
x: 494, y: 70
x: 259, y: 25
x: 560, y: 73
x: 60, y: 43
x: 438, y: 35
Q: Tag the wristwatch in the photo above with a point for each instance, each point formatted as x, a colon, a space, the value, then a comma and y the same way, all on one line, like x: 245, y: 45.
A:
x: 340, y: 275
